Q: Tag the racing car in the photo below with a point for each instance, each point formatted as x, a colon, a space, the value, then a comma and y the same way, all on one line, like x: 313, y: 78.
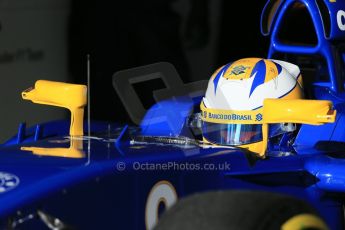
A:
x: 262, y: 147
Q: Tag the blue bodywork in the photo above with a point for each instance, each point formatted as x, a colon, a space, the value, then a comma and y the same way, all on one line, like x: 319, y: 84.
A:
x: 93, y: 192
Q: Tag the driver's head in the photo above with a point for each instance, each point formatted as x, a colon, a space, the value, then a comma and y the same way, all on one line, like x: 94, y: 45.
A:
x: 232, y: 107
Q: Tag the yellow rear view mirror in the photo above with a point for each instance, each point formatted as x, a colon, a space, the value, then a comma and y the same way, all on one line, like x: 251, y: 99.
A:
x: 313, y: 112
x: 70, y: 96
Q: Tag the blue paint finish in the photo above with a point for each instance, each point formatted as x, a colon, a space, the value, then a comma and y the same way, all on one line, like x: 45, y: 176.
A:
x: 330, y: 172
x: 312, y: 140
x: 328, y: 132
x: 122, y: 194
x: 305, y: 142
x: 324, y: 47
x: 21, y: 133
x: 168, y: 117
x: 259, y: 71
x: 38, y: 132
x: 219, y: 75
x: 122, y: 140
x: 267, y: 13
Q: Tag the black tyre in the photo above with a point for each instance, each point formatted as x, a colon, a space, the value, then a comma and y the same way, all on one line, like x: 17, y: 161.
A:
x: 240, y: 210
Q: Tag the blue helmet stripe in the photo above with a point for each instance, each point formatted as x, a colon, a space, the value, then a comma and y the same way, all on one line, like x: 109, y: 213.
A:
x: 260, y: 70
x: 279, y: 67
x: 219, y: 74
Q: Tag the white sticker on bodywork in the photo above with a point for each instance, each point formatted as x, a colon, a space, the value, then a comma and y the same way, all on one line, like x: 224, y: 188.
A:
x: 163, y: 191
x: 8, y: 181
x: 340, y: 20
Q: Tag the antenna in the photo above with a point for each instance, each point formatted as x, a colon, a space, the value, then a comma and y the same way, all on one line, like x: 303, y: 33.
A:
x: 88, y: 97
x: 88, y: 108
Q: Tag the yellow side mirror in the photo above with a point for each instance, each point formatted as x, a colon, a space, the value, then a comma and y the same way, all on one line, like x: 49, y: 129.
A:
x: 313, y: 112
x: 70, y: 96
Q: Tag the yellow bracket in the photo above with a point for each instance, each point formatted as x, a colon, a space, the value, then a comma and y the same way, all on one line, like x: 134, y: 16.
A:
x: 74, y: 151
x: 69, y: 96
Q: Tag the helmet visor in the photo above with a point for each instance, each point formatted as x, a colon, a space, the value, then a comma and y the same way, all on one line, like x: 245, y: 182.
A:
x: 232, y: 134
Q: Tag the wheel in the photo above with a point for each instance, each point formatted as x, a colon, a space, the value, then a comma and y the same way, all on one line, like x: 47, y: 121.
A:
x: 240, y: 210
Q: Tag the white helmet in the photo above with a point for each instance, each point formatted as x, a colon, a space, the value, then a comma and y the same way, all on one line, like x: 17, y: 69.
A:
x: 232, y: 106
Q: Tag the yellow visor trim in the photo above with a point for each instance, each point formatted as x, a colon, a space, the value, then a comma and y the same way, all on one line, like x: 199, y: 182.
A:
x: 231, y: 116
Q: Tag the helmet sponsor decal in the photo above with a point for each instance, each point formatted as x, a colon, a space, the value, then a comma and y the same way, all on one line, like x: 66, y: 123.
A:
x: 258, y: 117
x: 240, y: 69
x: 231, y: 116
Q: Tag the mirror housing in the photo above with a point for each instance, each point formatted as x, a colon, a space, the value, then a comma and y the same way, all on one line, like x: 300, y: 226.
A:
x: 69, y: 96
x: 313, y: 112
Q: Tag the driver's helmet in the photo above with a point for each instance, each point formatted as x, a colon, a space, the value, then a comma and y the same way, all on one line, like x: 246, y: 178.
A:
x: 231, y: 110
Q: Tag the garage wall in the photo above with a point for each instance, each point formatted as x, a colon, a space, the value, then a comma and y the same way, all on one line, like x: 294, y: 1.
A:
x: 33, y: 45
